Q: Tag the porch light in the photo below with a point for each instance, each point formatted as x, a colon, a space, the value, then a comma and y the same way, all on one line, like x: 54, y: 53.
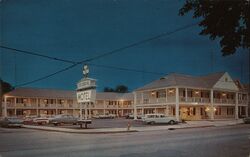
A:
x: 45, y: 100
x: 207, y: 109
x: 196, y: 92
x: 152, y: 93
x: 224, y: 94
x: 215, y: 109
x: 170, y: 91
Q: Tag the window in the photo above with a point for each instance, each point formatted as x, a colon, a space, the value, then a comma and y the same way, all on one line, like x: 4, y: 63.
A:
x: 230, y: 111
x: 191, y: 111
x: 19, y: 100
x: 174, y: 111
x: 218, y: 111
x: 161, y: 94
x: 202, y: 111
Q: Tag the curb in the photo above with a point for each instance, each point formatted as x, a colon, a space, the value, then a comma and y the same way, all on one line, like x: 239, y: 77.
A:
x: 192, y: 127
x: 78, y: 131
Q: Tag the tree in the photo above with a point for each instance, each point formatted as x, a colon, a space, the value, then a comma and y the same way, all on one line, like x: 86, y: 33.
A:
x: 118, y: 89
x: 108, y: 89
x: 224, y: 19
x: 121, y: 89
x: 5, y: 87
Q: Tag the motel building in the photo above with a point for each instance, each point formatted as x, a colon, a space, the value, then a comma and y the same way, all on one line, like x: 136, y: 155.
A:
x: 41, y: 102
x: 210, y: 97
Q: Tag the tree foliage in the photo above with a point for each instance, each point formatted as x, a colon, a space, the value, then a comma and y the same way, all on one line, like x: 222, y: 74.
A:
x: 118, y: 89
x: 121, y: 89
x: 108, y: 89
x: 5, y: 87
x: 227, y: 20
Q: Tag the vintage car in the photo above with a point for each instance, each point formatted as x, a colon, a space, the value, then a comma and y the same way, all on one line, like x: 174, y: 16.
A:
x: 158, y: 119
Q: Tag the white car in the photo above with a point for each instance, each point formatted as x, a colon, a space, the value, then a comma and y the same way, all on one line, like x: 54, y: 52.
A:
x: 42, y: 120
x: 158, y: 119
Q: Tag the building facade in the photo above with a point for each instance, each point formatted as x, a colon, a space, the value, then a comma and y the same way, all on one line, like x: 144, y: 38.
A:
x: 39, y: 102
x: 214, y: 96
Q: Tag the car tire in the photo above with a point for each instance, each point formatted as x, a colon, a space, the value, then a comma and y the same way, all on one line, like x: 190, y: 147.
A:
x: 171, y: 122
x: 152, y: 123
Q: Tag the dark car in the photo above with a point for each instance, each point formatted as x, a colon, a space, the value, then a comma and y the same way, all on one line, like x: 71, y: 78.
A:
x: 63, y: 119
x: 11, y: 122
x: 246, y: 120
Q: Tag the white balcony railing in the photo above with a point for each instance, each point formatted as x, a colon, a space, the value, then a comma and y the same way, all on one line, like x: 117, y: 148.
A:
x: 195, y: 99
x: 224, y: 101
x: 242, y: 101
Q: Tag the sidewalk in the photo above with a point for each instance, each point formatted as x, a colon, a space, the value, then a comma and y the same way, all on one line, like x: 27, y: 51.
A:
x: 187, y: 125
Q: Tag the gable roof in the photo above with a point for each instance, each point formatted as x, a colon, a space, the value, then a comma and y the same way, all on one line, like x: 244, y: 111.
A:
x: 174, y: 79
x: 64, y: 94
x: 42, y: 93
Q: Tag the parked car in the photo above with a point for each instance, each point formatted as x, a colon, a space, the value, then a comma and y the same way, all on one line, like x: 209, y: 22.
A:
x: 29, y: 119
x: 42, y: 120
x: 131, y: 116
x: 63, y: 119
x: 158, y: 119
x: 11, y: 122
x: 246, y: 120
x: 105, y: 116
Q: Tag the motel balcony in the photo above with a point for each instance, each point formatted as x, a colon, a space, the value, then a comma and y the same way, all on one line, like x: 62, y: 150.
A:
x: 194, y: 99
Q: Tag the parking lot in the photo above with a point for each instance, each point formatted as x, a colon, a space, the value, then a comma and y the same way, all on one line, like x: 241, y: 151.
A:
x: 108, y: 123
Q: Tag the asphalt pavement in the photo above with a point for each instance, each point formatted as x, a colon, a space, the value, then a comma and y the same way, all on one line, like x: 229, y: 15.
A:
x: 226, y: 141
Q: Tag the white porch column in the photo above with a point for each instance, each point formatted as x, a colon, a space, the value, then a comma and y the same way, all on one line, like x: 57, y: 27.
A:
x: 135, y: 103
x: 167, y: 110
x: 56, y: 107
x: 236, y: 105
x: 166, y: 95
x: 117, y: 110
x: 5, y: 107
x: 104, y: 107
x: 186, y: 93
x: 212, y: 104
x: 142, y: 110
x: 80, y: 105
x: 15, y: 106
x: 37, y: 110
x: 177, y: 105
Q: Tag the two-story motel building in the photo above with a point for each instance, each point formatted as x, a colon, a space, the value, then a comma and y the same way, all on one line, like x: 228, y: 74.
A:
x: 214, y: 96
x: 35, y: 101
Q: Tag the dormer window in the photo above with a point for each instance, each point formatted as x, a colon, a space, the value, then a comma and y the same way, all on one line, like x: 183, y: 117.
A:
x: 226, y: 79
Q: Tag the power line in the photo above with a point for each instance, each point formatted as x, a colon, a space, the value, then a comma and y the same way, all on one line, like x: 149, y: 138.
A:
x: 125, y: 69
x: 15, y: 50
x: 105, y: 54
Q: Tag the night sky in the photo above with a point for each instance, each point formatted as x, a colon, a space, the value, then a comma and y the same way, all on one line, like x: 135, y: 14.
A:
x: 77, y: 29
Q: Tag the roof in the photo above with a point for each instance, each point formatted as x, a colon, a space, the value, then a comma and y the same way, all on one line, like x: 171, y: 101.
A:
x: 64, y: 94
x: 207, y: 81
